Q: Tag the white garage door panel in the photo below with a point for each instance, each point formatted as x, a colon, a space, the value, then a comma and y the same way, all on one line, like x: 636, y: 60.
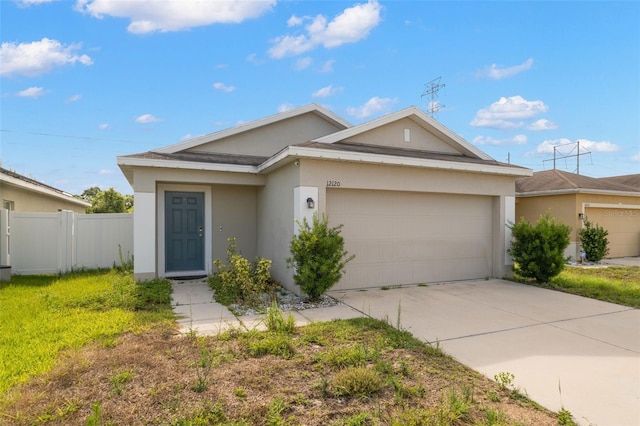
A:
x: 410, y: 238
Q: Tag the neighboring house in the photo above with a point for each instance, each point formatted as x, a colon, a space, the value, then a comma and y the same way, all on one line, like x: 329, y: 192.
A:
x: 613, y: 203
x: 418, y: 203
x: 22, y: 194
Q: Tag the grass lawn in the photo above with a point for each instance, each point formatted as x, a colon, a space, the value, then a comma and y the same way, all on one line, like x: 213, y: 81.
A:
x: 616, y: 284
x: 96, y: 348
x: 43, y: 316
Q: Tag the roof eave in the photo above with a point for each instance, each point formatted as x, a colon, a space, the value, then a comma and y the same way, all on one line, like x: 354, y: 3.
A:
x: 126, y: 162
x: 45, y: 191
x: 577, y: 191
x: 357, y: 157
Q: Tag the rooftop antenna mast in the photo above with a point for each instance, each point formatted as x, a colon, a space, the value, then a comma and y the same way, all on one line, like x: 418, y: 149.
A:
x: 570, y: 154
x: 431, y: 89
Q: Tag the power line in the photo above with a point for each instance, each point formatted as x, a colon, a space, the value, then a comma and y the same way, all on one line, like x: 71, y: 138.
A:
x: 56, y: 135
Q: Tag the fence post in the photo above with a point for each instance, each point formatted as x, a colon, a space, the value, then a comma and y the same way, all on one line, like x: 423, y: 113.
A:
x: 65, y: 240
x: 5, y: 258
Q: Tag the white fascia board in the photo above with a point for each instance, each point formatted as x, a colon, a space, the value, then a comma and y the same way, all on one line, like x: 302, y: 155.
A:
x: 426, y: 122
x: 188, y: 165
x: 43, y: 190
x: 211, y: 137
x: 357, y: 157
x: 578, y: 191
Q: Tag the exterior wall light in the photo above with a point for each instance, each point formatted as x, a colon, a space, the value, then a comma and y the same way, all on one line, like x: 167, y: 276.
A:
x: 310, y: 203
x: 580, y: 216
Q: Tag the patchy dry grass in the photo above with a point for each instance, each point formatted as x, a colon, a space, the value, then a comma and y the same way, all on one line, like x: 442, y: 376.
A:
x: 355, y: 372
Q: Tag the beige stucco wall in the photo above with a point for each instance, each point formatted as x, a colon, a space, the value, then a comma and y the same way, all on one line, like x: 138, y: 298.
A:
x: 566, y: 207
x: 276, y: 220
x: 268, y: 140
x: 33, y: 202
x: 234, y: 214
x: 393, y: 134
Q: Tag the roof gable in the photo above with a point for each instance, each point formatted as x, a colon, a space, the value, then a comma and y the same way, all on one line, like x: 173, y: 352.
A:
x: 410, y: 128
x: 265, y: 137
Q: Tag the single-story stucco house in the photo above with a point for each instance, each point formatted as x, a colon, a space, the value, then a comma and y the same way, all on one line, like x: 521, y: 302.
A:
x: 23, y: 194
x: 418, y: 203
x: 612, y: 202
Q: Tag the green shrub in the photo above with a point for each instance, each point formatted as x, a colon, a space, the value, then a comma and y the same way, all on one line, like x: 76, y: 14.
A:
x: 238, y: 280
x: 317, y: 256
x: 594, y: 242
x: 538, y: 250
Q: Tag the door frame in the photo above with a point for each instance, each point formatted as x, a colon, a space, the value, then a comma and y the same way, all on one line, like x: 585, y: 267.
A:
x: 160, y: 212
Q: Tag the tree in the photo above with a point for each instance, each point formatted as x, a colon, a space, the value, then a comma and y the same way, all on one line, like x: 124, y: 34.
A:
x: 107, y: 201
x: 538, y: 251
x: 317, y: 256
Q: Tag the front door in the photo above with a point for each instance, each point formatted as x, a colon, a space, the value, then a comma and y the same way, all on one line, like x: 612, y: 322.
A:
x: 184, y: 231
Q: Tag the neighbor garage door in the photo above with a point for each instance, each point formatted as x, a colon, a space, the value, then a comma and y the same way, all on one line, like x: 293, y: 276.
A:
x: 623, y: 225
x: 412, y: 238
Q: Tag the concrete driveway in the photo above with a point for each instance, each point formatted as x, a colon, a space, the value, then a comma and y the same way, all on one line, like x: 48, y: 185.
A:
x: 547, y: 339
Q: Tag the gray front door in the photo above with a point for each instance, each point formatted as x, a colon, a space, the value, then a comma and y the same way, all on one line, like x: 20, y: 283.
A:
x: 184, y: 231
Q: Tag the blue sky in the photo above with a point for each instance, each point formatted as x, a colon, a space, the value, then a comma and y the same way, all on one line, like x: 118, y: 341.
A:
x: 85, y: 81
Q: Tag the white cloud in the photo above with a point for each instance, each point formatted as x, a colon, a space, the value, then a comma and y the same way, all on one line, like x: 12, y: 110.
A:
x: 104, y: 126
x: 488, y: 140
x: 328, y: 66
x: 253, y: 58
x: 501, y: 114
x: 31, y: 92
x: 147, y: 118
x: 221, y: 87
x: 303, y: 63
x: 327, y: 91
x: 38, y: 57
x: 294, y: 21
x: 498, y: 73
x: 373, y: 106
x: 148, y: 16
x: 27, y: 3
x: 636, y: 157
x: 74, y: 98
x: 286, y: 106
x: 352, y: 25
x: 105, y: 172
x: 564, y: 146
x: 542, y: 124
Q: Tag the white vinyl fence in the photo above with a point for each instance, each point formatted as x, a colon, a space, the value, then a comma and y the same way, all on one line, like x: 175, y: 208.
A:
x: 44, y: 243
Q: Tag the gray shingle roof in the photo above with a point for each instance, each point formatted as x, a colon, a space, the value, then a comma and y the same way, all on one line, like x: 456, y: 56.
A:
x: 558, y: 180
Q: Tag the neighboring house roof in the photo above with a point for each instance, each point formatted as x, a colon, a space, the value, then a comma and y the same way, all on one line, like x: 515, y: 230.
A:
x: 339, y: 145
x: 560, y: 182
x: 28, y: 184
x: 629, y: 180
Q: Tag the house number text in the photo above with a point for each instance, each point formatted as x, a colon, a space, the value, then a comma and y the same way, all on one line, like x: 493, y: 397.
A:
x: 333, y: 183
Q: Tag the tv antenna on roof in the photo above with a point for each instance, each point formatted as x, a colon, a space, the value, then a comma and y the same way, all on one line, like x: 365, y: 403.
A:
x: 431, y: 89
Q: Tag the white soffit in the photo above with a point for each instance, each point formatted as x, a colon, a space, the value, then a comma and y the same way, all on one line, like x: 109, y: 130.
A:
x: 211, y: 137
x: 419, y: 117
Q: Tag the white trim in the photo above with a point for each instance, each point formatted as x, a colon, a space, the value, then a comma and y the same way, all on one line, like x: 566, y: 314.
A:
x: 42, y: 190
x: 191, y: 143
x: 187, y: 165
x: 208, y: 220
x: 416, y: 115
x: 578, y: 191
x: 358, y: 157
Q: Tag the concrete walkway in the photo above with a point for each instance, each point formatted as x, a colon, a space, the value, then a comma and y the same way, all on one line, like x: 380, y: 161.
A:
x: 198, y: 312
x: 564, y: 350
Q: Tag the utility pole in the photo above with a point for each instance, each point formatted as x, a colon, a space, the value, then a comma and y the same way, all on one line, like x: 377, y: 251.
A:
x: 578, y: 154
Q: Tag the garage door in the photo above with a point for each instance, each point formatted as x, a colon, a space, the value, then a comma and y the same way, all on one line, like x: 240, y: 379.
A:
x: 624, y: 229
x: 411, y: 238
